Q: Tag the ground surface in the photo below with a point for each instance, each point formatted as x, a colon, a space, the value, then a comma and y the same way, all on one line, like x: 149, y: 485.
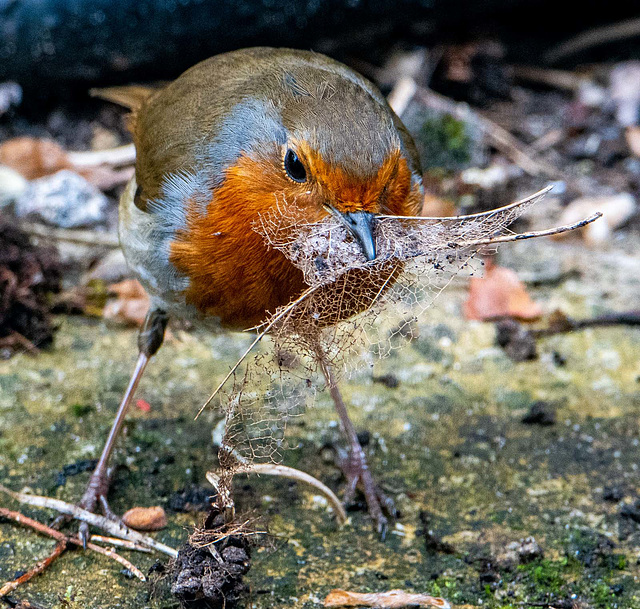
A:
x: 448, y: 443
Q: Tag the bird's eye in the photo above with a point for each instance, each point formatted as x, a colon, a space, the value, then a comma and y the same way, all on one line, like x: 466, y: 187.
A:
x: 294, y: 167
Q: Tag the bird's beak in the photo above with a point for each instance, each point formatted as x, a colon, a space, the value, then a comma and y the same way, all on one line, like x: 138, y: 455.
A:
x: 360, y: 224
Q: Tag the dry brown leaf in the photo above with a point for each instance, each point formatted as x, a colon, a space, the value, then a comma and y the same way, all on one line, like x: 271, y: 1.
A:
x: 131, y: 304
x: 33, y: 157
x: 145, y: 518
x: 393, y: 599
x: 499, y: 294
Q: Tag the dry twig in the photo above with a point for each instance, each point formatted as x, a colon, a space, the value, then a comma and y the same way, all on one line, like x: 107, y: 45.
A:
x: 557, y: 230
x: 559, y: 324
x: 63, y: 539
x: 117, y: 529
x: 559, y: 79
x: 115, y: 157
x: 82, y: 237
x: 36, y: 570
x: 120, y: 543
x: 594, y: 37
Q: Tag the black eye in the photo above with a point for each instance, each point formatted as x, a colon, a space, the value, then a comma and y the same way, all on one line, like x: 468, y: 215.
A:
x: 294, y: 168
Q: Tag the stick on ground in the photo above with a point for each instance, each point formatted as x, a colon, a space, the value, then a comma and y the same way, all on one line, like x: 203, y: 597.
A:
x: 117, y: 529
x: 36, y: 570
x: 62, y: 538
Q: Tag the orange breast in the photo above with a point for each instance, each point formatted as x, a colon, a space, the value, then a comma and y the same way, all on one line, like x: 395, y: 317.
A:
x: 235, y: 276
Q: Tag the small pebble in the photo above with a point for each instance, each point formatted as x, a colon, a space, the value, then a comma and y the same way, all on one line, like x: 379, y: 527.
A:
x: 145, y: 518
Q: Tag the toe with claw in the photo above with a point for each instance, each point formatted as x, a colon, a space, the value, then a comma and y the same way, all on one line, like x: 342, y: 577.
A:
x: 357, y: 472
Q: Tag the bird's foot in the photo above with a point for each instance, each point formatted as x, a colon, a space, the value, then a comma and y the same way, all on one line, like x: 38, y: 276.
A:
x: 358, y: 475
x: 93, y: 498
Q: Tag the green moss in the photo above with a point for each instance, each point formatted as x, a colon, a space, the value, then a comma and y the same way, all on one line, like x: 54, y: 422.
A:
x: 548, y: 576
x: 444, y: 142
x: 80, y: 410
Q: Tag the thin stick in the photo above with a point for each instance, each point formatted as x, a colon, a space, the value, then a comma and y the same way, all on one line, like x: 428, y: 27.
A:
x: 117, y: 529
x: 393, y: 599
x: 402, y: 94
x: 120, y: 543
x: 16, y: 338
x: 560, y: 79
x: 568, y: 324
x: 116, y: 157
x: 531, y: 235
x: 111, y: 553
x: 283, y: 471
x: 62, y: 538
x: 260, y: 336
x: 594, y: 37
x: 39, y: 568
x: 482, y: 214
x: 83, y: 237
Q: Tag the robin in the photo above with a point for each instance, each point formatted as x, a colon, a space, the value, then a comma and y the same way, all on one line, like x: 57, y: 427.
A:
x: 224, y: 143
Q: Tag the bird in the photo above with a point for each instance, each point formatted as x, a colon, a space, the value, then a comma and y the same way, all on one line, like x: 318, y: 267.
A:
x: 230, y: 139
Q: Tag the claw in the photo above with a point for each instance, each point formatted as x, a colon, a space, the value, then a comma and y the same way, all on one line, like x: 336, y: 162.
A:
x: 83, y: 534
x: 357, y: 473
x: 383, y: 527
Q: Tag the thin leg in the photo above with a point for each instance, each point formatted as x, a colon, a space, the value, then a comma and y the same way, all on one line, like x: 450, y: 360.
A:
x: 149, y: 341
x: 355, y: 467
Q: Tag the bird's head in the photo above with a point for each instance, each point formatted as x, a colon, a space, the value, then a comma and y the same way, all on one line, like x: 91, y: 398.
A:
x: 324, y: 141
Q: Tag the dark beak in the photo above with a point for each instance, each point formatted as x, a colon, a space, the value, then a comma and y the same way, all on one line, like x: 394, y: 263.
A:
x: 361, y: 224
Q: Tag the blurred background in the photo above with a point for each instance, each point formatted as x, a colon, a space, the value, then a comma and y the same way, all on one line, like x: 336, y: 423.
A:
x: 513, y: 417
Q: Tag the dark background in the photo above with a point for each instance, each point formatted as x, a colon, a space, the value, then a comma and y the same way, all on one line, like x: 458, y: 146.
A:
x: 53, y: 46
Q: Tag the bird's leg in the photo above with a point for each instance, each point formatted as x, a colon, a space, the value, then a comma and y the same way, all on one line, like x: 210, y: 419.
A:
x: 149, y: 341
x: 355, y: 467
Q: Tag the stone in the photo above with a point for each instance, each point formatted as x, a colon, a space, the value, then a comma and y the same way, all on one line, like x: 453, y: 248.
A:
x: 65, y: 200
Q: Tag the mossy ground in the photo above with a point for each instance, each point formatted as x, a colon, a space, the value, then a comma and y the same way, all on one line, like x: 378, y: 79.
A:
x: 448, y: 441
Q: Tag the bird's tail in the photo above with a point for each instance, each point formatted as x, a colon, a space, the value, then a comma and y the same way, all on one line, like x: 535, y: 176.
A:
x: 131, y: 96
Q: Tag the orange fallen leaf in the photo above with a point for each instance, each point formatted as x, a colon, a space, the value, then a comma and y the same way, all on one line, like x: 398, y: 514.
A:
x: 131, y: 304
x: 393, y: 599
x: 499, y: 294
x: 145, y: 518
x: 33, y: 157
